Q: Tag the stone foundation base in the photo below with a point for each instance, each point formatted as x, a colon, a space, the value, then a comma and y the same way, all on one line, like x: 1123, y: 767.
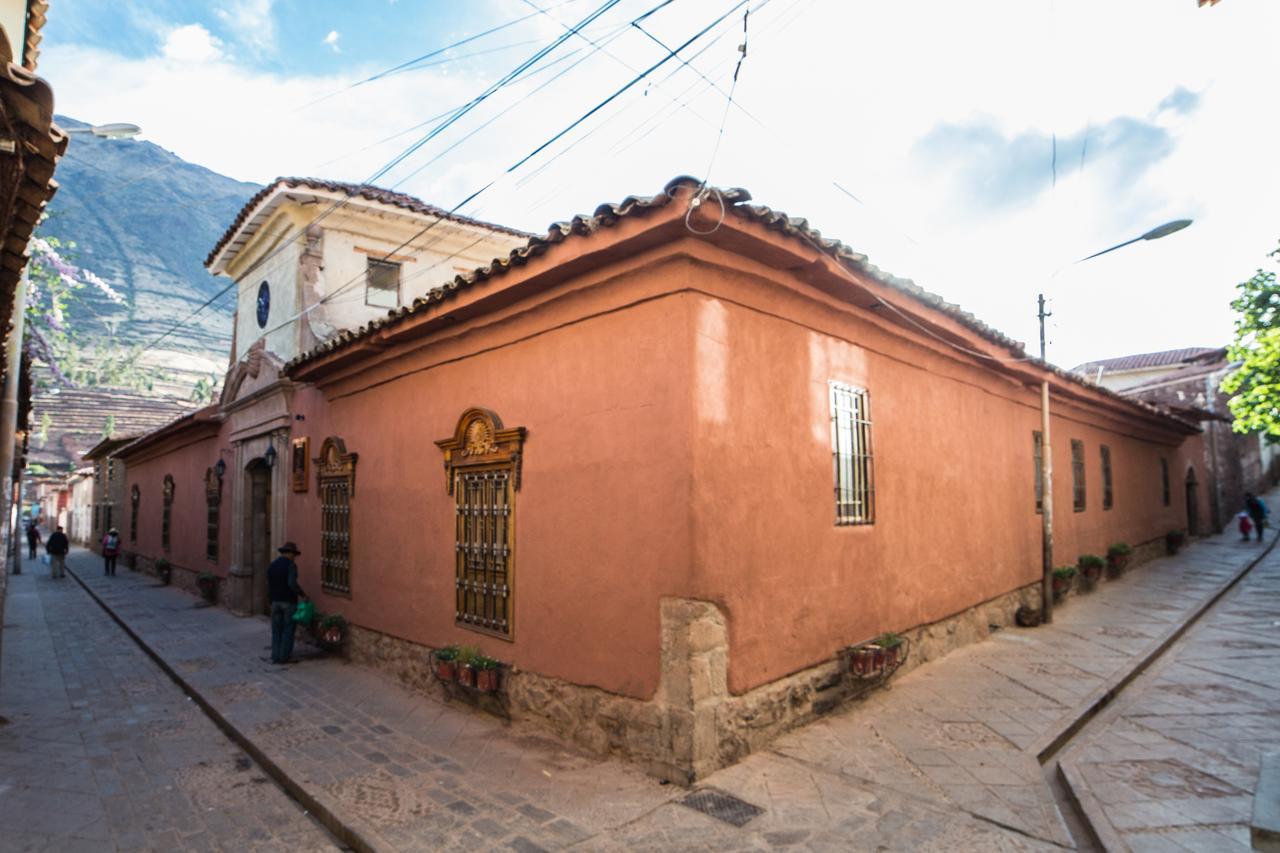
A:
x: 180, y: 577
x: 693, y: 725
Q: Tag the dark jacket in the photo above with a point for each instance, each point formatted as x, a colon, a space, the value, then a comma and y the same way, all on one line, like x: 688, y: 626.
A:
x: 57, y: 545
x: 282, y: 580
x: 33, y: 534
x: 1257, y: 509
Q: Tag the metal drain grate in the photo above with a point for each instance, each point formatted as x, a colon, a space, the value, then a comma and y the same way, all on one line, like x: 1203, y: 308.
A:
x: 721, y: 806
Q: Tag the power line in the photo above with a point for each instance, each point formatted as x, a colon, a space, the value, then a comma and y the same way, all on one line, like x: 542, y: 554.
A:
x: 435, y: 131
x: 413, y: 64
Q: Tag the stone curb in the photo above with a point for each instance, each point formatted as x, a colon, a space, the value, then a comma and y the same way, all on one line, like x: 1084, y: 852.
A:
x: 1077, y: 788
x: 1045, y: 746
x: 344, y: 832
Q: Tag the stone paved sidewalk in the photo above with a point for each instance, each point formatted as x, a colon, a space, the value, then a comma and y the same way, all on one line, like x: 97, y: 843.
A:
x: 103, y: 752
x: 1174, y: 765
x: 946, y: 759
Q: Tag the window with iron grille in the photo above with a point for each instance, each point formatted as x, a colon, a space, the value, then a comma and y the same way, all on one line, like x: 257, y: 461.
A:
x: 134, y: 498
x: 484, y: 548
x: 382, y: 284
x: 1077, y: 475
x: 335, y: 477
x: 213, y: 502
x: 97, y: 472
x: 97, y: 518
x: 1164, y: 479
x: 482, y: 463
x: 106, y: 524
x: 851, y: 455
x: 111, y: 470
x: 167, y: 514
x: 1106, y: 477
x: 1037, y: 447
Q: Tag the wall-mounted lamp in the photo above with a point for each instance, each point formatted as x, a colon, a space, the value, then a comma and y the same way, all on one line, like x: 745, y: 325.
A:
x: 270, y: 456
x: 219, y: 468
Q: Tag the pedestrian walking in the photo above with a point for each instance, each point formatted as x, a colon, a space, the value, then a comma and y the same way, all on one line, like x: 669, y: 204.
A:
x: 1257, y: 512
x: 57, y: 546
x: 33, y: 539
x: 282, y: 585
x: 110, y: 550
x: 1246, y: 524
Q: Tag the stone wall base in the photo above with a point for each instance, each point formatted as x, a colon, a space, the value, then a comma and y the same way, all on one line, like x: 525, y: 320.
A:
x: 179, y: 576
x: 693, y: 725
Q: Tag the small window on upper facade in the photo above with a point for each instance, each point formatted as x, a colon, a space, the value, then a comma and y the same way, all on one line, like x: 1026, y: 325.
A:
x: 851, y: 455
x: 1077, y: 475
x: 382, y: 288
x: 1107, y: 499
x: 111, y: 470
x: 1164, y: 479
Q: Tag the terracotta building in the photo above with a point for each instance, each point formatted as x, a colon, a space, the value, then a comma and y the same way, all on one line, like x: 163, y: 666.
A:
x: 665, y: 461
x: 1188, y: 382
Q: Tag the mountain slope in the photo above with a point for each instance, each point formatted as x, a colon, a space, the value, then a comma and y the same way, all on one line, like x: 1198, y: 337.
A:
x: 144, y: 219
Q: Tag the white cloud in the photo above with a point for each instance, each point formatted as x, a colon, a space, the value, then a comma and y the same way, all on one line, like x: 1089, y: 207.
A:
x: 332, y: 40
x: 192, y: 43
x: 844, y: 92
x: 252, y: 23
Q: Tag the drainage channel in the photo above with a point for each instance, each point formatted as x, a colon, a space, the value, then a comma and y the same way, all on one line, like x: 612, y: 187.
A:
x: 342, y: 837
x: 1108, y: 707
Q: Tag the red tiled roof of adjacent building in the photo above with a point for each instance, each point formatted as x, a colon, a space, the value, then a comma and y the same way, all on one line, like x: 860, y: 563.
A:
x: 365, y: 191
x: 1164, y: 358
x: 735, y: 203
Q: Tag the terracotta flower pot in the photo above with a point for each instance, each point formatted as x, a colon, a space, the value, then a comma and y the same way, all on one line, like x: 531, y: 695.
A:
x: 446, y: 670
x: 208, y: 588
x: 860, y: 662
x: 891, y: 656
x: 466, y: 675
x: 486, y: 680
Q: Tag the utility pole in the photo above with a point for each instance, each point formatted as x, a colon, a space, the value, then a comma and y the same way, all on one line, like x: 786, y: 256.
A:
x: 1046, y: 487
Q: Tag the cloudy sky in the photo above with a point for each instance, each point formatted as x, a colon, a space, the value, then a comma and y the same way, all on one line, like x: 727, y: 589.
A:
x: 921, y: 132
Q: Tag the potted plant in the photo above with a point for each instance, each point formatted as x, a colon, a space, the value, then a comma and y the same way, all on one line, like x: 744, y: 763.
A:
x: 466, y: 665
x: 446, y: 663
x: 1173, y: 540
x: 1117, y: 558
x: 486, y: 673
x: 1090, y: 566
x: 164, y: 571
x: 862, y: 660
x: 891, y: 643
x: 207, y: 583
x: 331, y: 632
x: 1062, y: 581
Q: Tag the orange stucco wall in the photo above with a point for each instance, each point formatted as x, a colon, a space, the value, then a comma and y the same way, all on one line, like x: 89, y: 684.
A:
x: 955, y: 519
x: 187, y: 463
x: 602, y: 529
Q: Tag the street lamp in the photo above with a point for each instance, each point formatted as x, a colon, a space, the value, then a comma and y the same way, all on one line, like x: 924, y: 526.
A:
x: 115, y: 130
x: 1046, y: 449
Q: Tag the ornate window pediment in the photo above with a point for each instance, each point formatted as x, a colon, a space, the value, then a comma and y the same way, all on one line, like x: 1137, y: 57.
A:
x: 480, y: 439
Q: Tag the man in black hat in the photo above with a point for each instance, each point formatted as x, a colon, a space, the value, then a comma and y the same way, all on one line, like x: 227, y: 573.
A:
x: 282, y: 585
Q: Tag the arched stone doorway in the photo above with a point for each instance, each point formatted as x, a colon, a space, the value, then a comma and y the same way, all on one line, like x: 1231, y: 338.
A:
x: 1193, y: 503
x: 257, y: 526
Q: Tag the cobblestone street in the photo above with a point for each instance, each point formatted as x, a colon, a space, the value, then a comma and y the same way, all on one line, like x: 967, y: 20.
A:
x: 949, y: 758
x: 102, y: 751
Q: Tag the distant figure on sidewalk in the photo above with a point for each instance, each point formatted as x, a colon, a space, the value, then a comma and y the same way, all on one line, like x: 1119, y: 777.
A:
x: 33, y: 539
x: 282, y: 584
x: 57, y: 546
x: 1245, y: 525
x: 1257, y: 512
x: 110, y: 550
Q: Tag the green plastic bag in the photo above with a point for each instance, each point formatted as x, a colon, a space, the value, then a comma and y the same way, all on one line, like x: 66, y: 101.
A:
x: 304, y: 612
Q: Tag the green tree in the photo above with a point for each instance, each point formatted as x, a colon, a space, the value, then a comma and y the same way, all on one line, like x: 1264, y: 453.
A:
x: 1255, y: 384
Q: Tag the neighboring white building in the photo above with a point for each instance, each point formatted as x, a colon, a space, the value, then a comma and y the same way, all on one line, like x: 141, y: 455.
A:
x: 337, y: 256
